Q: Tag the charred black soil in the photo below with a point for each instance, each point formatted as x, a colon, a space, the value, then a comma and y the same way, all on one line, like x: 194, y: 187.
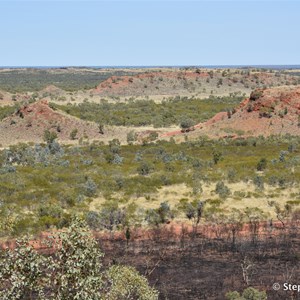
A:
x: 195, y: 266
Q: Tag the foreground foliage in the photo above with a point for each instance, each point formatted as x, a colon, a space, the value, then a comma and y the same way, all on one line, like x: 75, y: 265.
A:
x: 74, y: 271
x: 248, y: 294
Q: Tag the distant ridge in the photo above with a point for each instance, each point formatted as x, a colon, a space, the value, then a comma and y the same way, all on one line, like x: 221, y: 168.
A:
x: 275, y: 67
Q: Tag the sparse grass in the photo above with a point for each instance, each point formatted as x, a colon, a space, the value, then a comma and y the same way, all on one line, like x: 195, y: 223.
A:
x: 174, y: 175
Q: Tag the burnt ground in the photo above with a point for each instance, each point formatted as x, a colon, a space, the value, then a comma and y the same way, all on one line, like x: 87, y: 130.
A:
x: 195, y: 266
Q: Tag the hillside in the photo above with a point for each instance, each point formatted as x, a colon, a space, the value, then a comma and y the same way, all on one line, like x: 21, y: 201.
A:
x: 29, y: 123
x: 82, y: 85
x: 266, y: 112
x: 190, y: 82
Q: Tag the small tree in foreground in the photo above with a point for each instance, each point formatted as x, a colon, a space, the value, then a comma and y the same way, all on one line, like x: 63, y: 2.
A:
x: 20, y: 273
x: 74, y: 271
x: 76, y: 268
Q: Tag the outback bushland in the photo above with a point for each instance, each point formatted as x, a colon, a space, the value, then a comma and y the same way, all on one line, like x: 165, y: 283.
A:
x: 186, y: 111
x: 42, y: 185
x: 167, y: 206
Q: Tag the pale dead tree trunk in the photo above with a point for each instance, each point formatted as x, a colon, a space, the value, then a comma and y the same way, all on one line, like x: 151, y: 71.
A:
x: 150, y: 268
x: 183, y: 234
x: 247, y: 269
x: 288, y: 275
x: 233, y: 241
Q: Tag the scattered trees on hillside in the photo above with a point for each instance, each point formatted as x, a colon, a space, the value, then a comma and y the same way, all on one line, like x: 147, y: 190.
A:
x: 67, y: 177
x: 49, y: 136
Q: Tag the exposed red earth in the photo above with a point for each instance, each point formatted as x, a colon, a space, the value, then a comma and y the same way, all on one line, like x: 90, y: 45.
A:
x: 204, y: 263
x: 265, y: 112
x: 210, y: 231
x: 29, y: 123
x: 185, y: 82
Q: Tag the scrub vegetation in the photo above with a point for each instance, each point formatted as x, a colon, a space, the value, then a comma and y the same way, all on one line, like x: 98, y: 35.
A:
x: 43, y: 185
x: 136, y: 184
x: 146, y: 112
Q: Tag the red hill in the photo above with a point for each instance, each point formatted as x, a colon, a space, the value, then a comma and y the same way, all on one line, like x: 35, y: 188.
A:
x: 265, y: 112
x: 29, y: 123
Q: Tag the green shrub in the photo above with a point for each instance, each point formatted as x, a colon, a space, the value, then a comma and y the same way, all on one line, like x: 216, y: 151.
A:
x: 222, y: 190
x: 249, y: 293
x: 217, y: 156
x: 256, y: 94
x: 144, y: 168
x: 131, y: 137
x: 262, y: 164
x: 73, y: 134
x: 74, y: 271
x: 90, y: 188
x: 186, y: 123
x: 49, y: 136
x: 258, y: 182
x: 114, y: 146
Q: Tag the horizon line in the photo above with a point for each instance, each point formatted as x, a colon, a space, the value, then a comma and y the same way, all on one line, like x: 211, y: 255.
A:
x: 151, y: 66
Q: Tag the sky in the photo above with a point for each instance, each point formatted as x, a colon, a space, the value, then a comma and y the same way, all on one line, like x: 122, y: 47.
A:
x: 149, y: 33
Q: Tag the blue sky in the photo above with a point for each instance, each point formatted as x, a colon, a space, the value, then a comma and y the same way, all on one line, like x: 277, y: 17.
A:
x: 132, y: 33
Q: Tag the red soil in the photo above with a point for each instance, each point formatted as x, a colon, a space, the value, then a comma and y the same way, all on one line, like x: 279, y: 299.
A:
x: 266, y: 112
x: 135, y: 84
x: 211, y: 231
x: 29, y: 123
